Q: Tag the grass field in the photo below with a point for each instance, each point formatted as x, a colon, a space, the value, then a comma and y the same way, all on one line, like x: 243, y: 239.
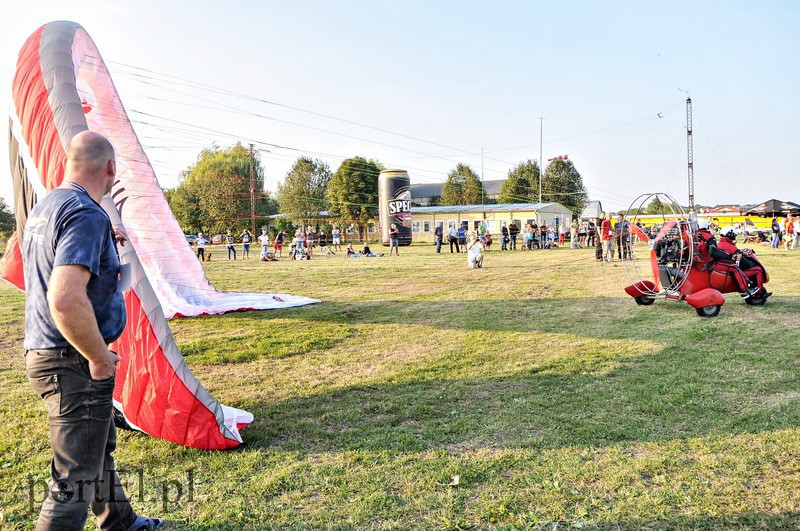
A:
x: 555, y: 400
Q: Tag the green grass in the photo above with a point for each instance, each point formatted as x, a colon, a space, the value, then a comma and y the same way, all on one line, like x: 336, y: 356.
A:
x: 536, y: 380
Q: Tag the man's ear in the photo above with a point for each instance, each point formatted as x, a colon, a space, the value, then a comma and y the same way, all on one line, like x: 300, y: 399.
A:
x: 111, y: 167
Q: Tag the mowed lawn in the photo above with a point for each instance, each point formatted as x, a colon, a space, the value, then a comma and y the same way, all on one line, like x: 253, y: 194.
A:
x: 554, y: 400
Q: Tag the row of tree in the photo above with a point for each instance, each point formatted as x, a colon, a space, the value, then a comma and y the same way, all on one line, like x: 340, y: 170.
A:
x: 214, y: 193
x: 349, y: 196
x: 561, y: 183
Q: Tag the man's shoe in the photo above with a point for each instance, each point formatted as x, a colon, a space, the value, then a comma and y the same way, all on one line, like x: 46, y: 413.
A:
x: 764, y: 294
x: 745, y: 294
x: 145, y: 522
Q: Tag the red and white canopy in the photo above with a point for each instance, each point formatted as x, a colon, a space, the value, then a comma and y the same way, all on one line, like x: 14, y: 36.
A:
x: 62, y: 87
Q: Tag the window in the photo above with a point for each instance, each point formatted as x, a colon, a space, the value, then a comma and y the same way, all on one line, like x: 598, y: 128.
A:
x: 415, y: 225
x: 451, y: 224
x: 426, y: 226
x: 371, y: 228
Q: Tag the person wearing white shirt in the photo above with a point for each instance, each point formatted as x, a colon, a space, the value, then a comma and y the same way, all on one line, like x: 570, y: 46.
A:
x: 453, y: 238
x: 264, y: 239
x: 201, y: 247
x: 474, y: 254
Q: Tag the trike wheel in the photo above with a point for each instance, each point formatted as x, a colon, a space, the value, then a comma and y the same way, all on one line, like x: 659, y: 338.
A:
x: 708, y: 311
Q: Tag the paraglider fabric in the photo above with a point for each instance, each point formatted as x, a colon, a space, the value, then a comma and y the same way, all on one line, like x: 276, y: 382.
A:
x: 62, y: 87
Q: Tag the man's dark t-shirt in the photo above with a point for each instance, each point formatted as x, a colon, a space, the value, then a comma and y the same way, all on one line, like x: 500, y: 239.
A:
x: 68, y: 228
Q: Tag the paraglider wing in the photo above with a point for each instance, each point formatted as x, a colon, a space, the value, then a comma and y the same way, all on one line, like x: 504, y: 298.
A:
x: 62, y: 87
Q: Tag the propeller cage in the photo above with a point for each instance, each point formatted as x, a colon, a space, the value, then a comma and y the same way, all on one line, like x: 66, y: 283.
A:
x: 662, y: 246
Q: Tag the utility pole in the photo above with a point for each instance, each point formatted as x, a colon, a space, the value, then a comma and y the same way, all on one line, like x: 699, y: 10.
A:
x: 541, y: 165
x: 252, y: 192
x: 483, y: 190
x: 690, y: 151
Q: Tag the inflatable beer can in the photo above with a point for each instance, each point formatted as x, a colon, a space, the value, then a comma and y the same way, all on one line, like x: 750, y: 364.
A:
x: 394, y: 205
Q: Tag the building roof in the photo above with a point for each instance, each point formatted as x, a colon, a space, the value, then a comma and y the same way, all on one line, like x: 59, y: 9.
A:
x: 519, y: 207
x: 592, y: 210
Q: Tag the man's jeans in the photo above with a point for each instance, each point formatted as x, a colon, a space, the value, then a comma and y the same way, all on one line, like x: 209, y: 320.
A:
x: 82, y: 438
x: 438, y: 245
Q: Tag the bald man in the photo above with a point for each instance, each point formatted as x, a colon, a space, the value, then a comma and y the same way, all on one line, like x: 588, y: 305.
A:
x: 73, y: 311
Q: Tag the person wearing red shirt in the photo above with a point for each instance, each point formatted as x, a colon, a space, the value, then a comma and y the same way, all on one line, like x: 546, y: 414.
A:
x: 606, y: 234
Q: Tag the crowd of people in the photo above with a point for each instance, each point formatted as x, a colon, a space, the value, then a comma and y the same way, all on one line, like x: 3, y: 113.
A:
x: 610, y: 237
x: 787, y: 234
x: 301, y: 245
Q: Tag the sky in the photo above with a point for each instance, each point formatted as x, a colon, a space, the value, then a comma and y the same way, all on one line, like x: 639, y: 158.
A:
x: 424, y: 85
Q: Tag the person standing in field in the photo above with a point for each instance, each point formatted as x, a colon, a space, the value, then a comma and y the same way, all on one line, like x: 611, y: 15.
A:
x: 438, y: 235
x: 788, y: 231
x: 231, y: 243
x: 607, y: 236
x: 74, y: 310
x: 776, y: 233
x: 279, y: 239
x: 504, y: 237
x: 582, y: 232
x: 453, y: 238
x: 598, y: 242
x: 462, y: 235
x: 591, y: 233
x: 394, y: 240
x: 513, y: 230
x: 573, y: 234
x: 201, y: 247
x: 246, y: 237
x: 622, y: 237
x: 311, y: 236
x: 337, y: 239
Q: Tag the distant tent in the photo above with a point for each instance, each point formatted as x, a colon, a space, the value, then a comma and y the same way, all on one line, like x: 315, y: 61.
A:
x: 774, y: 207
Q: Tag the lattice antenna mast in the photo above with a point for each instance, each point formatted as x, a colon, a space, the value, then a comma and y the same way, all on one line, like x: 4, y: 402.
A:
x: 252, y: 191
x: 690, y: 151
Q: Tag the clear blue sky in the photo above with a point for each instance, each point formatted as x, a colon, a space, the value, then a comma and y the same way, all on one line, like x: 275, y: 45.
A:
x: 459, y: 76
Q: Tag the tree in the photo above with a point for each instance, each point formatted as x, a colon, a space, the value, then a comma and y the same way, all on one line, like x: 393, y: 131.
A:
x: 462, y: 187
x: 521, y: 185
x: 303, y: 194
x: 7, y: 219
x: 353, y: 191
x: 656, y: 207
x: 563, y: 184
x: 214, y: 193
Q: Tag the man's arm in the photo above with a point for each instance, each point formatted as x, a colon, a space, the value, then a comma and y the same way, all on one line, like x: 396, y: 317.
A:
x: 74, y: 317
x: 717, y: 253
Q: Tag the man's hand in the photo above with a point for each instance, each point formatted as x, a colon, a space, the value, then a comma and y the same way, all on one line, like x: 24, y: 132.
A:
x: 119, y: 235
x: 106, y: 368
